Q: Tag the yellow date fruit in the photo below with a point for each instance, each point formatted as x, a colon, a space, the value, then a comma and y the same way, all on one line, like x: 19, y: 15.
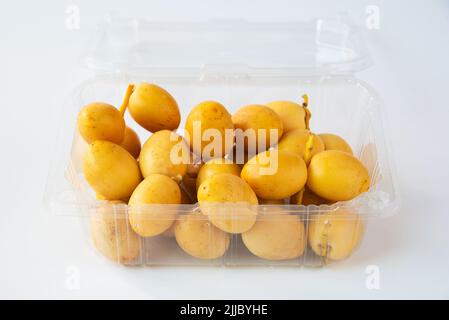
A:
x: 276, y: 237
x: 101, y: 121
x: 152, y: 107
x: 154, y: 189
x: 292, y: 114
x: 131, y: 142
x: 335, y: 235
x: 337, y: 176
x: 111, y: 170
x: 164, y: 153
x: 206, y: 120
x: 257, y: 117
x: 217, y: 195
x: 199, y: 238
x: 301, y: 142
x: 216, y: 166
x: 334, y: 142
x: 275, y: 174
x: 112, y: 235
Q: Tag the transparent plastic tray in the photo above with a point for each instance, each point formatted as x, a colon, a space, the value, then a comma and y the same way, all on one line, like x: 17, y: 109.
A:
x: 236, y: 63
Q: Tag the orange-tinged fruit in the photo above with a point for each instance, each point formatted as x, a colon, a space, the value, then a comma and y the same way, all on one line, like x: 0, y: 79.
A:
x: 101, y: 121
x: 261, y: 122
x: 334, y: 142
x: 337, y: 176
x: 152, y: 107
x: 275, y: 174
x: 210, y: 117
x: 292, y: 114
x: 111, y: 170
x: 214, y: 167
x: 226, y: 199
x: 165, y: 153
x: 154, y: 189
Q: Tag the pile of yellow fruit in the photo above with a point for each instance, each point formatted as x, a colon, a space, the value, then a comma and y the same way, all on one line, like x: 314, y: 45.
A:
x: 311, y: 169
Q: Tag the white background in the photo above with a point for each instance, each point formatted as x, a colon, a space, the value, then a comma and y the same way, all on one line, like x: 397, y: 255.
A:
x: 38, y: 250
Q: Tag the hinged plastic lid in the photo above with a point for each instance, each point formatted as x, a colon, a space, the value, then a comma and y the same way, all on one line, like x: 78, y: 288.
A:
x: 320, y: 46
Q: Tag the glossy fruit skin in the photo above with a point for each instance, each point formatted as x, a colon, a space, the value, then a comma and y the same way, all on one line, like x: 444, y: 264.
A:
x: 154, y: 108
x: 337, y: 176
x: 218, y: 196
x: 334, y: 142
x: 256, y: 117
x: 112, y: 235
x: 199, y: 238
x: 131, y: 142
x: 289, y: 177
x: 154, y: 189
x: 101, y: 121
x: 156, y: 155
x: 210, y: 115
x: 296, y: 141
x: 291, y: 113
x: 214, y: 167
x: 110, y: 170
x: 335, y: 235
x: 276, y: 237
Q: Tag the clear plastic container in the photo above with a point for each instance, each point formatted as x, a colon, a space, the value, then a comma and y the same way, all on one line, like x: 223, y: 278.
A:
x: 236, y: 63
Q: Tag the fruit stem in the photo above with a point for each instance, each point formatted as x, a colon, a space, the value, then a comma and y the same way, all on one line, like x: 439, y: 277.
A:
x: 307, y: 115
x: 129, y: 91
x: 309, y: 147
x: 300, y: 196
